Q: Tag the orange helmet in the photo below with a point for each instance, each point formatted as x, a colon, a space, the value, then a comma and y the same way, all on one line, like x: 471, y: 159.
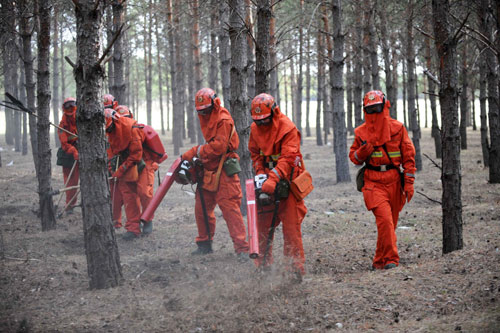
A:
x: 262, y: 108
x: 204, y: 100
x: 110, y: 116
x: 123, y: 111
x: 374, y: 102
x: 109, y: 101
x: 69, y: 106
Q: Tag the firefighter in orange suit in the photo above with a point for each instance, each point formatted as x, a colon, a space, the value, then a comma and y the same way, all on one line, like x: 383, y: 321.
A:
x: 382, y: 143
x: 125, y: 140
x: 275, y: 150
x: 218, y: 127
x: 69, y: 145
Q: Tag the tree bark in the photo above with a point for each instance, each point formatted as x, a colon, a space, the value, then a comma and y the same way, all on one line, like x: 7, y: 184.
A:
x: 367, y: 59
x: 9, y: 67
x: 349, y: 93
x: 109, y: 37
x: 494, y: 114
x: 464, y: 102
x: 239, y: 98
x: 250, y: 49
x: 148, y: 30
x: 213, y: 79
x: 47, y: 215
x: 321, y: 85
x: 386, y: 51
x: 412, y: 109
x: 24, y: 99
x: 300, y: 75
x: 177, y: 76
x: 103, y: 259
x: 308, y: 85
x: 327, y: 108
x: 26, y: 26
x: 119, y: 87
x: 55, y: 72
x: 451, y: 176
x: 159, y: 51
x: 224, y: 51
x: 264, y: 15
x: 198, y: 76
x: 273, y: 60
x: 357, y: 73
x: 337, y: 96
x: 483, y: 81
x: 405, y: 90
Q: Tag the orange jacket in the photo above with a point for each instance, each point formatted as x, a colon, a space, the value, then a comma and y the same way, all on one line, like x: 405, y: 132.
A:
x: 68, y: 141
x: 400, y: 148
x: 126, y: 140
x: 276, y: 147
x: 216, y: 128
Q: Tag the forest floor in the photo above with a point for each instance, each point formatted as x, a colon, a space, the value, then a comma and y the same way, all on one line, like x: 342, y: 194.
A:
x: 44, y: 283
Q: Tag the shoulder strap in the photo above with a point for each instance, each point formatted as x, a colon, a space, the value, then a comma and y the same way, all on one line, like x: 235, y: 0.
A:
x: 390, y: 159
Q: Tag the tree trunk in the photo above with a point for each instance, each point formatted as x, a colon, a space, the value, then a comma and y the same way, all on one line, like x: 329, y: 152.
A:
x: 451, y: 176
x: 26, y: 34
x: 176, y: 77
x: 191, y: 87
x: 239, y: 100
x: 327, y: 108
x: 308, y: 85
x: 494, y: 114
x: 148, y: 70
x: 250, y: 49
x: 386, y: 51
x: 63, y: 66
x: 198, y: 75
x: 395, y: 77
x: 373, y: 47
x: 483, y: 81
x: 47, y: 215
x: 109, y: 37
x: 224, y: 51
x: 337, y: 96
x: 357, y: 74
x: 159, y: 50
x: 464, y: 103
x: 103, y: 259
x: 321, y: 85
x: 24, y: 99
x: 9, y: 67
x: 213, y: 79
x: 298, y: 121
x: 119, y: 87
x: 435, y: 131
x: 55, y: 72
x: 405, y: 90
x: 273, y: 60
x: 412, y: 109
x: 367, y: 60
x: 426, y: 109
x: 349, y: 87
x: 262, y: 46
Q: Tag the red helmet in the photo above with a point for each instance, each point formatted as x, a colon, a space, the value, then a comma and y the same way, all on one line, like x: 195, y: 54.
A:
x: 109, y: 101
x: 110, y: 116
x: 262, y: 107
x: 123, y: 111
x: 374, y: 102
x: 69, y: 106
x: 204, y: 100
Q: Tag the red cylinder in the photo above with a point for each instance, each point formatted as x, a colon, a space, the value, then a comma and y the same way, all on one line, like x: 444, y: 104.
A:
x: 167, y: 182
x: 253, y: 236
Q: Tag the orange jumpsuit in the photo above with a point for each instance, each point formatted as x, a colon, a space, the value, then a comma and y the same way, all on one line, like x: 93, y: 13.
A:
x: 382, y: 191
x: 68, y: 144
x: 217, y: 127
x: 145, y: 184
x: 125, y: 140
x: 116, y: 197
x: 275, y: 151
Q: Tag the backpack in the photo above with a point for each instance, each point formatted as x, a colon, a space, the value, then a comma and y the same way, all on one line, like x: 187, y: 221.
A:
x: 152, y: 143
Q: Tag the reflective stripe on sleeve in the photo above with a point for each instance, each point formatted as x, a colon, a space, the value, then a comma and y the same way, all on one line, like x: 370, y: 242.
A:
x: 357, y: 158
x: 276, y: 172
x: 410, y: 175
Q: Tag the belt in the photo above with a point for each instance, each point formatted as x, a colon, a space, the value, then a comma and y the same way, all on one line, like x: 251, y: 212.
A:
x: 383, y: 167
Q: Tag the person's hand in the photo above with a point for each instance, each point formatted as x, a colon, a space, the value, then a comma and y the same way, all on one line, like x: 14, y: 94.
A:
x: 188, y: 156
x: 269, y: 186
x: 119, y: 172
x: 364, y: 151
x: 75, y: 155
x: 409, y: 190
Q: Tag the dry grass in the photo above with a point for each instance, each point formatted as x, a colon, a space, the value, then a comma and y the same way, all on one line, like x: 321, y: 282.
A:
x: 166, y: 289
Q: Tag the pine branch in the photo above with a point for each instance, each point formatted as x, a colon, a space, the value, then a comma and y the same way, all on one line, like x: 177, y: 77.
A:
x: 430, y: 199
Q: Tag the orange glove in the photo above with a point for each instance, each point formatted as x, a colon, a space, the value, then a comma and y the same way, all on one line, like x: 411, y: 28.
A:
x: 409, y: 191
x: 75, y: 155
x: 269, y: 186
x: 364, y: 151
x: 188, y: 156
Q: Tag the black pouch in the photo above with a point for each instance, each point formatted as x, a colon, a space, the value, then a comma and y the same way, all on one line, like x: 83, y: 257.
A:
x: 64, y: 159
x: 232, y: 166
x: 402, y: 175
x: 141, y: 165
x: 283, y: 189
x: 360, y: 178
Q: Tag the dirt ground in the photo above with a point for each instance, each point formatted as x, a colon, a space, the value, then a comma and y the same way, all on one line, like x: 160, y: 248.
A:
x: 44, y: 284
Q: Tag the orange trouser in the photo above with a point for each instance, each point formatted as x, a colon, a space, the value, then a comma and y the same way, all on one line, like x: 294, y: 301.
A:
x: 73, y: 181
x: 291, y: 212
x: 132, y: 205
x: 145, y: 184
x: 228, y: 197
x: 117, y: 202
x: 385, y: 201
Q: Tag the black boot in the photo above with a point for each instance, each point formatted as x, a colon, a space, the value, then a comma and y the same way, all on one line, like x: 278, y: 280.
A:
x: 204, y: 247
